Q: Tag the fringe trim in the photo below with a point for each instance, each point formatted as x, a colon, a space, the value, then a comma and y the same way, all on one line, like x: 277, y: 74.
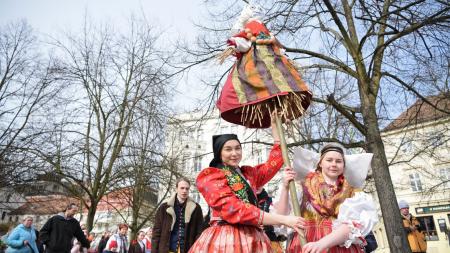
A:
x: 290, y: 106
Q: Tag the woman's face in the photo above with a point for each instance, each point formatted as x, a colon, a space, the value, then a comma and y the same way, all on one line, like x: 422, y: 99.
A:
x: 231, y: 153
x: 332, y: 165
x: 28, y: 222
x: 141, y: 236
x: 123, y: 231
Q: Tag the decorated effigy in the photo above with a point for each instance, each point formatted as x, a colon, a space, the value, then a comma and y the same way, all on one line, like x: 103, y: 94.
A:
x: 262, y: 79
x: 262, y: 82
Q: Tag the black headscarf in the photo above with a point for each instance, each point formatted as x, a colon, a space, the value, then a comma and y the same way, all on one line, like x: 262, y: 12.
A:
x: 218, y: 141
x: 216, y: 162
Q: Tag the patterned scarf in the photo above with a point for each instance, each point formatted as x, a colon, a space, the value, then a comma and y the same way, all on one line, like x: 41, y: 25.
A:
x: 239, y: 185
x: 323, y: 197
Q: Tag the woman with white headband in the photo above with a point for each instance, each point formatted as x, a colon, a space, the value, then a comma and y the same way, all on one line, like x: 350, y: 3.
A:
x: 336, y: 218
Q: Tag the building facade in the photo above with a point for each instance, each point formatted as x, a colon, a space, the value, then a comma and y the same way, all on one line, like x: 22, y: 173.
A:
x: 189, y: 138
x: 417, y: 147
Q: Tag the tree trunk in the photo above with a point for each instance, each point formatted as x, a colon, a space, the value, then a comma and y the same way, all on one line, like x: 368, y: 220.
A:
x: 388, y: 202
x: 91, y: 215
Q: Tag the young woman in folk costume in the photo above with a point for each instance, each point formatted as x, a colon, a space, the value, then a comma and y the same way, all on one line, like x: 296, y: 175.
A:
x: 336, y: 216
x: 229, y: 189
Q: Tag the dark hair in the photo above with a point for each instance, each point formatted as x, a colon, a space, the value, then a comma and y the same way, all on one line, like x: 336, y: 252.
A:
x: 218, y: 142
x: 327, y: 148
x: 331, y: 147
x: 70, y: 206
x: 182, y: 179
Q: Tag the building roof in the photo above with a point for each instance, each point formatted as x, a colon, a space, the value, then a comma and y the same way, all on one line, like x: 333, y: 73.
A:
x: 44, y: 205
x: 52, y: 204
x: 422, y: 112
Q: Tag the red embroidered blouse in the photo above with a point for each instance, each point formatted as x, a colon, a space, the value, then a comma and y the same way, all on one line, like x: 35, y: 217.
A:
x: 213, y: 185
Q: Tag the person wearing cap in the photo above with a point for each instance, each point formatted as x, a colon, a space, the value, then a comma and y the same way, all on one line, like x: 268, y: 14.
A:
x: 336, y: 216
x: 230, y: 191
x: 412, y: 228
x: 178, y: 221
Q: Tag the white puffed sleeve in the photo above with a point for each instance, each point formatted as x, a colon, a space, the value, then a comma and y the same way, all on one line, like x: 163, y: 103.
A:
x: 242, y: 45
x: 360, y: 214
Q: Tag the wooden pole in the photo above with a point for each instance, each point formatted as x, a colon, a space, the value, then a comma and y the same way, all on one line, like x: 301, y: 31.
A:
x: 287, y: 163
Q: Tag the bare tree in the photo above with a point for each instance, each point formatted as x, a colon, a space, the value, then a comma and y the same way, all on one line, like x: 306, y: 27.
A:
x: 365, y: 60
x: 144, y: 162
x: 26, y: 85
x: 107, y: 76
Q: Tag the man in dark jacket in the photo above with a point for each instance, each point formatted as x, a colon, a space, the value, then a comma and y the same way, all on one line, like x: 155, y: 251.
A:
x: 58, y: 232
x: 178, y: 222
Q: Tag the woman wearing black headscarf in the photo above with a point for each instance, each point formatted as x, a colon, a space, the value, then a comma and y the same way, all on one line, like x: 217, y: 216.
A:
x: 229, y: 190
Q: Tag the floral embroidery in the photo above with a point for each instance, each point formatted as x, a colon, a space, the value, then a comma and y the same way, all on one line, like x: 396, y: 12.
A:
x: 237, y: 186
x: 236, y: 183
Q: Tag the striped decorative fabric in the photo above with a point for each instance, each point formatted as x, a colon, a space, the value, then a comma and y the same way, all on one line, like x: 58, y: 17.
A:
x: 261, y: 80
x: 228, y: 238
x: 314, y: 231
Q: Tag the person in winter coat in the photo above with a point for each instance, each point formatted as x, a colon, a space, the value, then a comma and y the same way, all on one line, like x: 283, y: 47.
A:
x: 58, y: 232
x: 413, y: 229
x: 39, y: 244
x: 178, y: 221
x: 148, y: 240
x: 23, y: 238
x: 371, y: 241
x: 118, y: 242
x: 4, y: 239
x: 103, y: 241
x: 138, y: 245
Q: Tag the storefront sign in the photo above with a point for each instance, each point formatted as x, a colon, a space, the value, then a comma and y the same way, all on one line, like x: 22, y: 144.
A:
x: 433, y: 209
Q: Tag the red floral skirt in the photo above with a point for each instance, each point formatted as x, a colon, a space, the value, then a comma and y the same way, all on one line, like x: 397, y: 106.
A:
x: 229, y: 238
x: 314, y: 232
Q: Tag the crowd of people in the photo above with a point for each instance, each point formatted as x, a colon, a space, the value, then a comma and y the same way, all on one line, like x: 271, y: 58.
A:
x: 242, y: 217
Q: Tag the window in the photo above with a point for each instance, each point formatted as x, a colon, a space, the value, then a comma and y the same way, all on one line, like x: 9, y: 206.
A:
x: 200, y: 134
x: 190, y: 134
x: 406, y: 146
x: 416, y: 184
x: 268, y: 149
x: 185, y: 162
x: 445, y: 177
x: 435, y: 140
x: 258, y: 154
x: 196, y: 197
x: 3, y: 215
x: 197, y: 163
x: 181, y: 135
x: 428, y: 228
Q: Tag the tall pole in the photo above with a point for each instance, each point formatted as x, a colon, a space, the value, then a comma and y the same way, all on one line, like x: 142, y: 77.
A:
x: 292, y: 188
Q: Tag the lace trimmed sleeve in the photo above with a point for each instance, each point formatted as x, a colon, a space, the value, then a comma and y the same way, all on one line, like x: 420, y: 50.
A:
x: 360, y: 214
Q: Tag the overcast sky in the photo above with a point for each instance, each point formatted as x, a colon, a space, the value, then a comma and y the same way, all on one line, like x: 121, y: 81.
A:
x: 48, y: 16
x: 51, y: 17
